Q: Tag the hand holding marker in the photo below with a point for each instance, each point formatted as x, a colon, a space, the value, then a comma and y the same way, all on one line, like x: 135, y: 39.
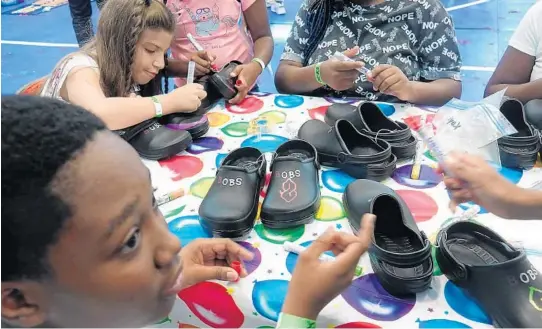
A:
x: 198, y: 48
x: 298, y: 249
x: 342, y: 57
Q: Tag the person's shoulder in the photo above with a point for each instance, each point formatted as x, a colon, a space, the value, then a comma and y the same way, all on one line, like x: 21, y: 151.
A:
x: 535, y: 10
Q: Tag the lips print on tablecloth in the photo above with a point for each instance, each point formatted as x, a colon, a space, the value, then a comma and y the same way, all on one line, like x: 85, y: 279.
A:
x: 213, y: 305
x: 330, y: 209
x: 463, y: 304
x: 217, y: 119
x: 205, y: 144
x: 367, y: 296
x: 251, y: 265
x: 248, y: 105
x: 182, y: 166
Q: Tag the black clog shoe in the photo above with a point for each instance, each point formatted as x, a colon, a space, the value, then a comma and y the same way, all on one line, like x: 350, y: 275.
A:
x: 519, y: 150
x: 213, y: 96
x: 400, y: 253
x: 153, y: 141
x: 196, y: 125
x: 369, y: 119
x: 497, y: 275
x: 230, y: 207
x: 293, y: 195
x: 223, y: 82
x: 344, y: 147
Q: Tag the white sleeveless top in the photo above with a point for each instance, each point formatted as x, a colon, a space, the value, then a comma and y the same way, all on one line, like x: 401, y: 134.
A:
x: 56, y: 80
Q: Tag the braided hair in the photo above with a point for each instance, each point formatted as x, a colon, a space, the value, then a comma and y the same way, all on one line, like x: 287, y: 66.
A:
x: 318, y: 19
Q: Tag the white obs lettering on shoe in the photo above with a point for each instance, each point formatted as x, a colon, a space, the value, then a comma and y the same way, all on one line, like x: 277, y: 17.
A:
x: 230, y: 181
x: 529, y: 275
x: 289, y: 174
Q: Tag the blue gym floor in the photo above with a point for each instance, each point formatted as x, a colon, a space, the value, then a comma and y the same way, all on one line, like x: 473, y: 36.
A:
x: 32, y: 44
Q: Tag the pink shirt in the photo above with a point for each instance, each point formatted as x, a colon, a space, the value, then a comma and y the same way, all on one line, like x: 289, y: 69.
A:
x: 218, y: 26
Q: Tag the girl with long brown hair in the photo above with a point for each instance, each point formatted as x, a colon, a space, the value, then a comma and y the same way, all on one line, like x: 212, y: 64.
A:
x: 118, y: 75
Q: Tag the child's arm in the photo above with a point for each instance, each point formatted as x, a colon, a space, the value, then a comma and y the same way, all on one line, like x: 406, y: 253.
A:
x: 82, y: 88
x: 258, y: 26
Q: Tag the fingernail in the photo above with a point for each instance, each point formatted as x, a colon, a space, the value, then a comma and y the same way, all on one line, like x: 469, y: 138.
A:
x: 232, y: 276
x: 238, y: 83
x: 214, y: 67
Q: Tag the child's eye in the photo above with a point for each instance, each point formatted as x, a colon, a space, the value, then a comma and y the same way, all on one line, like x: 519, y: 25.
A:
x: 132, y: 243
x: 150, y: 51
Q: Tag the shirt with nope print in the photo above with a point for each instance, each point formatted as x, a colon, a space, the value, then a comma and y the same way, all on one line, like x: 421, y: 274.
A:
x: 417, y: 36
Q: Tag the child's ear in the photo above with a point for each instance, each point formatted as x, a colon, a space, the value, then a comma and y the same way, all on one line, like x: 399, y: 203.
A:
x: 21, y: 306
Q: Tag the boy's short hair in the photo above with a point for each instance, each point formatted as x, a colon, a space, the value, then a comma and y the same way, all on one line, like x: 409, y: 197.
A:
x: 39, y: 137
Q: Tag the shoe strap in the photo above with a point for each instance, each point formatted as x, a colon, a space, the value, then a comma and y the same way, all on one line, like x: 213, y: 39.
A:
x: 404, y: 259
x: 454, y: 271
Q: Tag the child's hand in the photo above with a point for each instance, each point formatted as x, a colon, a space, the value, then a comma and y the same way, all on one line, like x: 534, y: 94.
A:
x: 246, y: 79
x: 184, y: 99
x: 315, y: 283
x: 390, y: 80
x: 209, y: 259
x: 204, y: 62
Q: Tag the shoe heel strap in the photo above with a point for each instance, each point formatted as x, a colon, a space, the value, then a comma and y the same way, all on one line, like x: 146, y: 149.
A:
x: 453, y: 270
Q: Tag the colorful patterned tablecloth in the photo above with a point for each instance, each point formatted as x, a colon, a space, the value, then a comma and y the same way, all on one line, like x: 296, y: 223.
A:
x: 256, y: 300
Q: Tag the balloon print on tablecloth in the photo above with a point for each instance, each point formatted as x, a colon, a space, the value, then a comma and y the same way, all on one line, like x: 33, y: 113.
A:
x: 205, y: 144
x: 279, y: 236
x: 441, y: 324
x: 219, y: 158
x: 513, y: 175
x: 217, y: 119
x: 268, y: 297
x: 428, y: 178
x: 464, y: 305
x: 267, y: 142
x: 289, y: 101
x: 367, y: 296
x: 336, y: 180
x: 248, y: 105
x: 182, y: 166
x: 273, y: 117
x: 330, y: 209
x: 318, y: 113
x: 186, y: 325
x: 174, y: 212
x: 251, y: 265
x: 436, y: 268
x: 200, y: 187
x: 387, y: 109
x: 358, y: 325
x: 345, y: 100
x: 263, y: 191
x: 187, y: 229
x: 164, y: 320
x: 236, y: 129
x: 213, y: 305
x: 291, y: 259
x: 421, y: 205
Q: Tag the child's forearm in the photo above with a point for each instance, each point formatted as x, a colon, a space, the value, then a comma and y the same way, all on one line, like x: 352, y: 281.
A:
x: 177, y: 67
x: 435, y: 93
x: 524, y: 92
x: 263, y: 48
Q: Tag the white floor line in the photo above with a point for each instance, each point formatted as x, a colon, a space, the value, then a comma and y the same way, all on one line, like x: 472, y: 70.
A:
x: 465, y: 5
x: 478, y: 68
x: 39, y: 44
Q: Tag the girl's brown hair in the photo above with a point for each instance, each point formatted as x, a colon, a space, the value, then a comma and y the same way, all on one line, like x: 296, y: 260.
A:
x: 119, y: 28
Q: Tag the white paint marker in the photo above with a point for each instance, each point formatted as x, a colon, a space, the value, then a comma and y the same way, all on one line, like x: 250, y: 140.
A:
x: 342, y: 57
x: 191, y: 70
x: 194, y: 42
x: 298, y: 249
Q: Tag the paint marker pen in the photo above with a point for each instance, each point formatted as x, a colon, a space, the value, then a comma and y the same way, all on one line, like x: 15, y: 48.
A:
x: 165, y: 198
x: 298, y: 249
x: 194, y: 42
x: 191, y: 70
x: 342, y: 57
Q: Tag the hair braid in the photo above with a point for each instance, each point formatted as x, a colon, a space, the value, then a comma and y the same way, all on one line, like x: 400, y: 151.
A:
x: 137, y: 27
x: 319, y: 18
